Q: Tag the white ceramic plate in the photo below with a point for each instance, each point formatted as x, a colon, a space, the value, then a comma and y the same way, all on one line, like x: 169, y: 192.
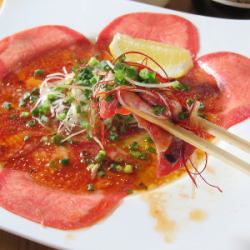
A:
x: 227, y: 223
x: 235, y: 3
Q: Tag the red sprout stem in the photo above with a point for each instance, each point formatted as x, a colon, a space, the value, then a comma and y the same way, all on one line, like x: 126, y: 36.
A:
x: 185, y: 165
x: 211, y: 185
x: 203, y: 169
x: 198, y: 173
x: 145, y: 61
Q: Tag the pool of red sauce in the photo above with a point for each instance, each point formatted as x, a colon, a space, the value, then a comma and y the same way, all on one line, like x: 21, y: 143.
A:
x: 34, y: 157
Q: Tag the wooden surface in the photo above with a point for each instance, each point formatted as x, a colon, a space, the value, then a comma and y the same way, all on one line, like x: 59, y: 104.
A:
x: 11, y: 242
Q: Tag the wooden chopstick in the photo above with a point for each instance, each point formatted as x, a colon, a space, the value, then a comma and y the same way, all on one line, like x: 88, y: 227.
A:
x: 195, y: 140
x: 224, y: 134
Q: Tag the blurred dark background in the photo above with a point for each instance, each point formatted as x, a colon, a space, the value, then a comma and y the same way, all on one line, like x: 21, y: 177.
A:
x: 209, y: 8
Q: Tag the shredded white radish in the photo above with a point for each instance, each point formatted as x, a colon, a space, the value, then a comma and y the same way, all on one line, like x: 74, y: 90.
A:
x: 98, y: 142
x: 149, y: 85
x: 74, y: 134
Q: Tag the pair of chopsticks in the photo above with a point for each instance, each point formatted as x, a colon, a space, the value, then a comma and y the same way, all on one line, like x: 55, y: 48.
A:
x: 202, y: 144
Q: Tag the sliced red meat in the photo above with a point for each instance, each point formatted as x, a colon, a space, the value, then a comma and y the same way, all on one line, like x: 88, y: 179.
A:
x: 232, y: 73
x: 133, y: 100
x: 19, y: 194
x: 19, y: 49
x: 168, y: 148
x: 171, y: 160
x: 116, y: 153
x: 161, y: 138
x: 166, y: 28
x: 108, y: 109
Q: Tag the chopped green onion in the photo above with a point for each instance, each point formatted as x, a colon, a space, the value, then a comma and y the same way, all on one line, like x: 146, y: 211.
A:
x: 93, y: 167
x: 113, y: 136
x: 108, y: 122
x: 38, y: 72
x: 122, y: 128
x: 35, y: 112
x: 64, y: 161
x: 56, y: 139
x: 93, y: 62
x: 149, y: 139
x: 93, y: 80
x: 7, y: 105
x: 44, y: 108
x: 24, y: 114
x: 101, y: 173
x: 119, y: 76
x: 151, y: 150
x: 128, y: 118
x: 87, y: 93
x: 131, y: 72
x: 144, y: 74
x: 105, y: 65
x: 139, y: 155
x: 84, y: 75
x: 202, y: 106
x: 180, y: 86
x: 44, y: 119
x: 45, y: 140
x: 109, y: 98
x: 69, y: 100
x: 159, y: 110
x: 35, y: 91
x: 51, y: 97
x: 122, y: 58
x: 113, y: 166
x: 33, y: 99
x: 190, y: 102
x: 183, y: 115
x: 59, y: 89
x: 118, y: 168
x: 61, y: 116
x: 30, y: 123
x: 134, y: 146
x: 152, y: 76
x: 22, y: 103
x: 75, y: 67
x: 128, y: 169
x: 85, y: 124
x: 90, y: 187
x: 88, y: 136
x: 100, y: 156
x: 26, y: 96
x: 26, y: 137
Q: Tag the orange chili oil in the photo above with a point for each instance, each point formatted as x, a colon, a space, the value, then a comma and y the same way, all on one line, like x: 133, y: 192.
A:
x: 65, y: 166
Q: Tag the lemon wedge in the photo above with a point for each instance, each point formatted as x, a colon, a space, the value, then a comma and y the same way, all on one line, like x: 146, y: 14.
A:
x: 175, y: 61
